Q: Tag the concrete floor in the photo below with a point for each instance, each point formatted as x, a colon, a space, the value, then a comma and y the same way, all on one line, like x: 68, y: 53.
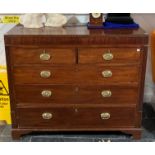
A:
x: 148, y: 134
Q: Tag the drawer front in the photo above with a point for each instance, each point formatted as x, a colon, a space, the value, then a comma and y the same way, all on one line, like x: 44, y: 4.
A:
x: 79, y: 75
x: 68, y: 118
x: 47, y: 95
x: 108, y: 75
x: 107, y: 95
x: 44, y: 75
x: 112, y: 55
x: 43, y: 56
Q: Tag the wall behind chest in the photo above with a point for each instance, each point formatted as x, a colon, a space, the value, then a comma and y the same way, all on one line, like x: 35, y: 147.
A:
x: 3, y: 29
x: 147, y: 22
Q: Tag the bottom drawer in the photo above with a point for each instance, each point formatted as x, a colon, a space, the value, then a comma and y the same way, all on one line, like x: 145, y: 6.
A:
x: 80, y: 117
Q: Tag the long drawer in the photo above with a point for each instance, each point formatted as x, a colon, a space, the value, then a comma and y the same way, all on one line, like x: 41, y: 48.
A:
x: 109, y: 55
x: 43, y: 56
x: 69, y: 94
x: 79, y: 75
x: 74, y: 117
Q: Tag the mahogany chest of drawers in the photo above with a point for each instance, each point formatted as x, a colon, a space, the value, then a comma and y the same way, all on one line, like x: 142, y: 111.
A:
x: 75, y: 79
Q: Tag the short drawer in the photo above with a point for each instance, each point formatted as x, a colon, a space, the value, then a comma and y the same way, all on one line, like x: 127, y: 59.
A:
x: 109, y: 55
x: 110, y: 75
x: 76, y: 117
x: 45, y: 95
x: 107, y: 95
x: 44, y: 75
x: 43, y: 55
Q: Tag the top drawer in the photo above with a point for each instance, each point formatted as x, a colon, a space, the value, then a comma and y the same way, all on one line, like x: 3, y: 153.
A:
x: 109, y: 55
x: 43, y: 55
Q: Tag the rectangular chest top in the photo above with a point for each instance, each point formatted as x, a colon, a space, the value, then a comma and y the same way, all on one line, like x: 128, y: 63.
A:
x: 77, y: 35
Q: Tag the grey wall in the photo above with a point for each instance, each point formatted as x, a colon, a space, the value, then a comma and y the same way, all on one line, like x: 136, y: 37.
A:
x: 3, y: 29
x: 147, y: 22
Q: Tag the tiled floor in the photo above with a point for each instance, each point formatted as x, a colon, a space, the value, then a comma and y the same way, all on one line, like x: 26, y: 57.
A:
x: 147, y: 135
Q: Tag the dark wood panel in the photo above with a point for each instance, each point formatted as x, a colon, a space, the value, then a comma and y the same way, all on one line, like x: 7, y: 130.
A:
x: 25, y: 55
x: 120, y: 75
x: 70, y: 94
x: 75, y: 36
x: 76, y: 117
x: 30, y: 75
x: 11, y: 89
x: 119, y: 55
x: 60, y: 94
x: 75, y: 41
x: 76, y: 74
x: 119, y: 95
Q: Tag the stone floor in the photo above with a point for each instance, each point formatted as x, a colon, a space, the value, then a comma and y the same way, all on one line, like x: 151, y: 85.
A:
x: 148, y: 134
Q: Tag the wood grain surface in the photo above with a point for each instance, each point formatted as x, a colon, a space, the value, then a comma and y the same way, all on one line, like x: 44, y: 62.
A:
x: 76, y: 80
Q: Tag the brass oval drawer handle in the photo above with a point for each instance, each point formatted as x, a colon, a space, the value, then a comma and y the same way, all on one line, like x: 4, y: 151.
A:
x: 106, y: 93
x: 45, y: 56
x: 47, y: 115
x: 107, y: 73
x: 46, y: 93
x: 45, y: 74
x: 108, y: 56
x: 105, y: 115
